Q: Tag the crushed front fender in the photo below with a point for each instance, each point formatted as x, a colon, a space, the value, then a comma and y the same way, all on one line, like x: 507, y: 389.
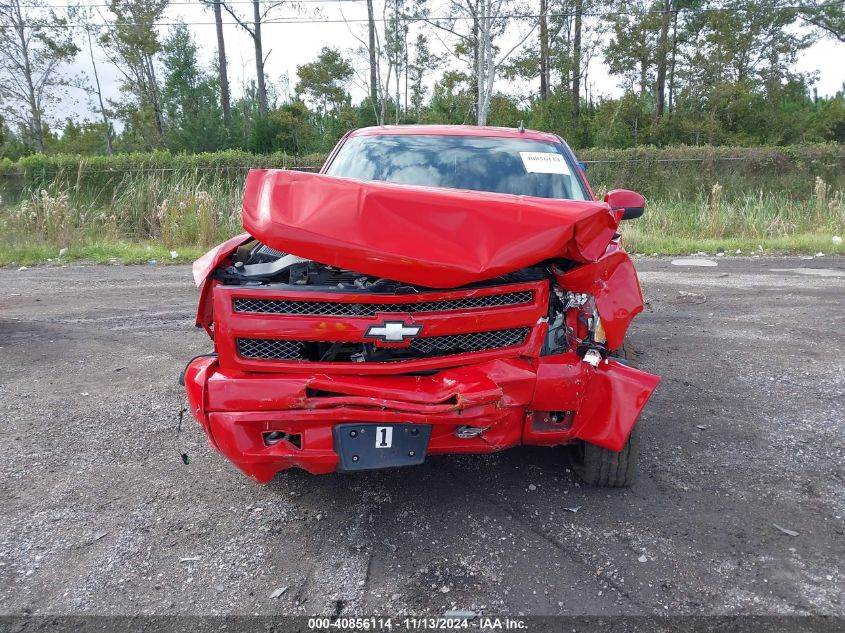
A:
x: 613, y: 400
x: 202, y: 269
x: 613, y: 281
x: 206, y: 264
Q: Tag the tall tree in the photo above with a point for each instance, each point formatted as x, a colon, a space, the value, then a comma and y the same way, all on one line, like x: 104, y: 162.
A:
x: 371, y: 53
x: 422, y: 62
x: 325, y: 81
x: 733, y: 69
x: 826, y: 15
x: 544, y: 50
x: 394, y: 32
x: 630, y: 52
x: 644, y: 46
x: 385, y: 58
x: 673, y: 58
x: 189, y: 96
x: 576, y: 59
x: 222, y: 70
x: 99, y: 92
x: 476, y: 29
x: 261, y: 11
x: 33, y: 47
x: 132, y: 44
x: 663, y: 56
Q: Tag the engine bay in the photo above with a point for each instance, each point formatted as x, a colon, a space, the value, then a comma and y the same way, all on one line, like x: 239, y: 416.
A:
x: 256, y: 264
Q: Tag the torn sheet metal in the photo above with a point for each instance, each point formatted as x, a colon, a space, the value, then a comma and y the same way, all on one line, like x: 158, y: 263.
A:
x: 206, y: 264
x: 614, y: 284
x: 450, y: 390
x: 614, y: 397
x: 439, y: 238
x: 203, y: 267
x: 238, y: 409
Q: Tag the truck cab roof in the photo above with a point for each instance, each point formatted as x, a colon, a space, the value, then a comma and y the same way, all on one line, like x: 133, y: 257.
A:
x: 453, y: 130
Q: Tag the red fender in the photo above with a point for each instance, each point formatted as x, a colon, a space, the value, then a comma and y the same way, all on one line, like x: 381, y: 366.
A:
x: 613, y: 281
x: 197, y: 374
x: 613, y: 400
x: 206, y: 265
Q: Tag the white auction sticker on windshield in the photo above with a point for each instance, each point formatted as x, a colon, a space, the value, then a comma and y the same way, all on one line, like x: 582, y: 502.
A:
x: 544, y: 163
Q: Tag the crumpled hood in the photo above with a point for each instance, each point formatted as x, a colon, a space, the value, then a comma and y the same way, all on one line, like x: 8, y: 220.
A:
x: 440, y: 238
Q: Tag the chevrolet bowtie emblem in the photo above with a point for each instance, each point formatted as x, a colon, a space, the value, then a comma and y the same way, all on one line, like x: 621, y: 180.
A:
x: 393, y: 331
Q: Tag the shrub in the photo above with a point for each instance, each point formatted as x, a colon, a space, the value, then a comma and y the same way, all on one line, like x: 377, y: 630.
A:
x: 181, y: 200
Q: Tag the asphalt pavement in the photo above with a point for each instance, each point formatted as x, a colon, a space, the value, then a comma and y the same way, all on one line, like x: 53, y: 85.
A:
x: 739, y: 508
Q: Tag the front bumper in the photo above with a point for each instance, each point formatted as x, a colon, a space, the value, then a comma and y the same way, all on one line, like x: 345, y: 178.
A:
x: 513, y: 400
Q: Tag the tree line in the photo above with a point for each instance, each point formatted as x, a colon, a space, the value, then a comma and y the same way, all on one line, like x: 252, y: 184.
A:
x: 695, y: 72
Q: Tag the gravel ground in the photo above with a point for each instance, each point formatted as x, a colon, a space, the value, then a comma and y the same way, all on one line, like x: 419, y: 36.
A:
x: 745, y: 432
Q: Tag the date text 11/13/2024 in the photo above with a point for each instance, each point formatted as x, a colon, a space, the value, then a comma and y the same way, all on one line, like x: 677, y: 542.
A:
x: 458, y: 622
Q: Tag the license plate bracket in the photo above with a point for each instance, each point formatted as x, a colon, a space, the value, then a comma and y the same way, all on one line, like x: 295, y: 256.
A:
x: 371, y: 446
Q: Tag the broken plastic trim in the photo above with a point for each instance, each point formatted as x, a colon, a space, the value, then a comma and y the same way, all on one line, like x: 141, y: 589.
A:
x: 466, y: 432
x: 274, y: 437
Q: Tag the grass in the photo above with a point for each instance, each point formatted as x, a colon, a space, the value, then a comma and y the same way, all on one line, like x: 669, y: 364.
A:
x: 750, y: 223
x: 97, y: 252
x: 652, y: 171
x: 803, y: 244
x: 635, y: 242
x: 140, y: 216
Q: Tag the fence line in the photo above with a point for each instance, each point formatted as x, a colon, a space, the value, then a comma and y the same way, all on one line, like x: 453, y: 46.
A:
x: 619, y: 161
x: 679, y: 160
x: 53, y: 170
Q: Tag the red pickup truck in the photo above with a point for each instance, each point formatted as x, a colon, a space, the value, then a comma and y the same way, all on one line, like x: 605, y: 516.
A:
x: 434, y: 289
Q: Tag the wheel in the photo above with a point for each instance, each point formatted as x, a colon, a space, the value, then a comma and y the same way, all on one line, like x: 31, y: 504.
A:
x: 599, y: 466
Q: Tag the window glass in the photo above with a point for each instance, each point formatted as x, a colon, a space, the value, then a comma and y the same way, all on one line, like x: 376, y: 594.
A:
x: 478, y: 163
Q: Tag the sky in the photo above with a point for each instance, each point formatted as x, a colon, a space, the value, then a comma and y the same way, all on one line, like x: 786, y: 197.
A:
x: 292, y: 44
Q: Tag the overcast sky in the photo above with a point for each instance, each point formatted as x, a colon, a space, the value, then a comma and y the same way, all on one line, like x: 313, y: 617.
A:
x: 290, y: 45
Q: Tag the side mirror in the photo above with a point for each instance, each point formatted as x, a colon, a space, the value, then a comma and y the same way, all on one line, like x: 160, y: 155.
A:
x: 630, y: 201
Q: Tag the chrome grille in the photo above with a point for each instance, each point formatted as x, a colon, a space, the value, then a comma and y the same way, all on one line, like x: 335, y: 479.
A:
x: 475, y: 342
x: 433, y: 346
x: 335, y: 308
x: 270, y: 349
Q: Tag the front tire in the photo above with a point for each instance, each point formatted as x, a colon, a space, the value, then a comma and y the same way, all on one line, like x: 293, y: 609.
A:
x: 599, y: 466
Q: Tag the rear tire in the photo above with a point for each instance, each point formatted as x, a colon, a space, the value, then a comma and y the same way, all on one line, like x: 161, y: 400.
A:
x: 599, y: 466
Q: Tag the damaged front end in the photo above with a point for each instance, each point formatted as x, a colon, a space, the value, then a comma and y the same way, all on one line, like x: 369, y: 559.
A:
x: 345, y: 310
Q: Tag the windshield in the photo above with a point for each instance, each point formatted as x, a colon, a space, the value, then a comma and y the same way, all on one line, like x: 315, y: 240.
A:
x: 479, y: 163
